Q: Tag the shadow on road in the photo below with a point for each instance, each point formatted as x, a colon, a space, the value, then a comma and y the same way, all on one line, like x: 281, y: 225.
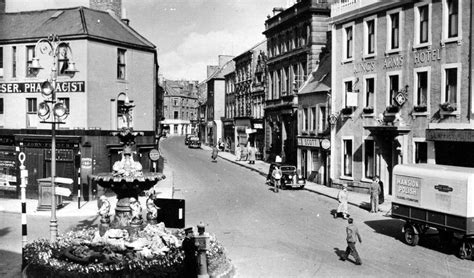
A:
x: 4, y: 231
x: 10, y: 264
x: 430, y: 240
x: 86, y: 223
x: 341, y: 254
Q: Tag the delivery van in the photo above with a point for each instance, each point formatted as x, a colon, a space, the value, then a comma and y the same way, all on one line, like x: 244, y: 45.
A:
x: 435, y: 196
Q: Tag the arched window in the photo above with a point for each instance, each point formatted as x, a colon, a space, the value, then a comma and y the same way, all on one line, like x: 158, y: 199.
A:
x: 121, y: 112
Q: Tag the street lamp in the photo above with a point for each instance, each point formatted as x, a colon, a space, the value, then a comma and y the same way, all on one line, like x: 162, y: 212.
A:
x: 50, y: 110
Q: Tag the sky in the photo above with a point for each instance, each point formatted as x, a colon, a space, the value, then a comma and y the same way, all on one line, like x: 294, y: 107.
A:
x: 190, y: 34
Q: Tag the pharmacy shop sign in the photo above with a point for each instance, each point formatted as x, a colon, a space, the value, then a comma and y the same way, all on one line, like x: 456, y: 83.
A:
x: 35, y: 87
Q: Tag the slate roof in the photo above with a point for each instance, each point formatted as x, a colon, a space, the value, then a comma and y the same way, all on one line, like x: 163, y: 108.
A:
x: 68, y: 24
x: 320, y: 79
x: 180, y: 88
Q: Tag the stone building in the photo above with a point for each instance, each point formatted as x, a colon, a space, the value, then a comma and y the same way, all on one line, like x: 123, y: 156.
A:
x: 313, y: 140
x: 214, y: 110
x: 249, y: 97
x: 401, y: 86
x: 180, y: 107
x: 116, y: 65
x: 295, y: 37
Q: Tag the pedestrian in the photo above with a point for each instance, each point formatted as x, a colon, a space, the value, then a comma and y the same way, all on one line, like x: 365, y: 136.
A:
x: 343, y: 207
x: 244, y: 153
x: 189, y: 248
x: 238, y: 152
x: 374, y: 195
x: 215, y: 151
x: 276, y: 175
x: 352, y: 236
x: 252, y: 152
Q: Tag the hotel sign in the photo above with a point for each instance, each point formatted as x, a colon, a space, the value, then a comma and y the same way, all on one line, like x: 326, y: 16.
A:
x: 35, y: 87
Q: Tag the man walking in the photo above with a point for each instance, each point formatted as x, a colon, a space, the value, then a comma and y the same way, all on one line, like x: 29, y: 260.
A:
x: 374, y: 195
x: 352, y: 237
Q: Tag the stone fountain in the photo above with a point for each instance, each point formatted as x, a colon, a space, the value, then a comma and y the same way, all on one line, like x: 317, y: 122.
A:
x: 127, y: 180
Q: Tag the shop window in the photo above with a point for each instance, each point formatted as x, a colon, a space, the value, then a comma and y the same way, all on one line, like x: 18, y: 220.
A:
x: 451, y: 20
x: 322, y: 116
x: 421, y: 152
x: 422, y: 24
x: 370, y: 40
x: 393, y: 28
x: 347, y: 157
x: 369, y: 94
x: 422, y: 83
x: 66, y: 102
x: 121, y: 66
x: 13, y: 61
x: 63, y: 60
x: 1, y: 62
x: 450, y: 86
x: 393, y: 88
x: 348, y: 99
x: 369, y: 158
x: 305, y: 119
x: 348, y: 45
x: 32, y: 106
x: 1, y: 107
x: 30, y: 54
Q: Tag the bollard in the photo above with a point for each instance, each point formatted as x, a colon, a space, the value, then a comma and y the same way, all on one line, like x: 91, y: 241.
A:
x: 23, y: 182
x: 202, y: 244
x: 79, y: 188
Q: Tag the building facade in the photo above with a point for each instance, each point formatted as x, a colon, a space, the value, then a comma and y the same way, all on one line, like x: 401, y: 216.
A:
x: 295, y: 37
x: 230, y: 112
x: 313, y: 140
x: 180, y: 107
x: 215, y: 100
x: 401, y: 87
x: 250, y: 77
x: 115, y: 65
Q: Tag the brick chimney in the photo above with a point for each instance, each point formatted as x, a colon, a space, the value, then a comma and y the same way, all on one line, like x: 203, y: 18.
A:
x: 107, y: 5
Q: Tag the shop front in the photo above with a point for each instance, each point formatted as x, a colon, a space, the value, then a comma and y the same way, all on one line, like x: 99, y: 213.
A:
x: 9, y: 168
x: 229, y: 135
x: 242, y: 128
x: 452, y: 146
x: 257, y: 137
x: 314, y: 158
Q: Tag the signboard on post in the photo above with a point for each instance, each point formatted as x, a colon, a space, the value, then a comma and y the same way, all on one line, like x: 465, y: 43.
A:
x: 62, y: 191
x: 154, y: 155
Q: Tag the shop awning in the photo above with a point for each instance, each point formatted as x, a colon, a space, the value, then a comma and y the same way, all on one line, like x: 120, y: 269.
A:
x: 388, y: 130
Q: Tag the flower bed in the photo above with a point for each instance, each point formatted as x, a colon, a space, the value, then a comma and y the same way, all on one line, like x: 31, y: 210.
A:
x: 153, y: 252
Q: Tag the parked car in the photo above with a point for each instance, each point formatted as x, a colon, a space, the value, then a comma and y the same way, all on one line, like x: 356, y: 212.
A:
x: 194, y: 142
x: 186, y: 138
x: 290, y: 176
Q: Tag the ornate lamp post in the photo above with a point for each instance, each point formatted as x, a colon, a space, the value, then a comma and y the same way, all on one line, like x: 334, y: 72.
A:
x: 50, y: 110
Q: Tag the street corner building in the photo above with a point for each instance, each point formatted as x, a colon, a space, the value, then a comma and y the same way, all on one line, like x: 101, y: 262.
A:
x: 401, y: 88
x: 116, y: 66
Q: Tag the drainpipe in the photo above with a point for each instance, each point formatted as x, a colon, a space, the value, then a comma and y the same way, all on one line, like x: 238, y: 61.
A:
x: 469, y: 114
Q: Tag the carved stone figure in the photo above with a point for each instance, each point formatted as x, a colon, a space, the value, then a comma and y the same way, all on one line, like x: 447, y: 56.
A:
x: 104, y: 210
x: 136, y: 211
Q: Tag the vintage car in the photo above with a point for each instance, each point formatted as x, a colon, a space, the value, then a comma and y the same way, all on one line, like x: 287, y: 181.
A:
x: 194, y: 142
x: 291, y: 178
x: 186, y: 138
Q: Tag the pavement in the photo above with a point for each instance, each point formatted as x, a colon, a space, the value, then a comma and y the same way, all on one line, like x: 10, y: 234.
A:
x: 357, y: 199
x: 164, y: 189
